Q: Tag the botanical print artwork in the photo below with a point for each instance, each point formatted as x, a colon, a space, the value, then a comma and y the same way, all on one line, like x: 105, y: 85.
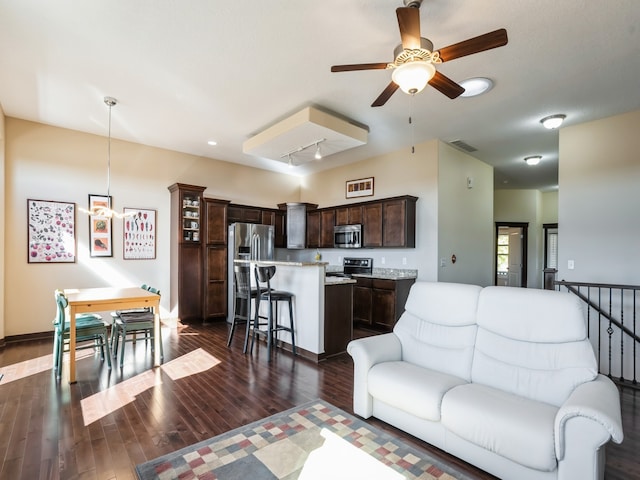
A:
x: 99, y: 227
x: 139, y: 231
x: 51, y: 231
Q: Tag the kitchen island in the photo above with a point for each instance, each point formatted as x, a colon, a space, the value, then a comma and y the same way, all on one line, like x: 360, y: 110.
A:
x: 308, y: 283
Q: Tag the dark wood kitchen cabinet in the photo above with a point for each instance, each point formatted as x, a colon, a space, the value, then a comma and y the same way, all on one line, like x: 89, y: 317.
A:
x: 372, y: 225
x: 327, y: 222
x: 378, y: 303
x: 215, y: 259
x: 243, y: 214
x: 313, y: 229
x: 338, y: 317
x: 277, y: 218
x: 349, y: 215
x: 186, y: 258
x: 390, y: 223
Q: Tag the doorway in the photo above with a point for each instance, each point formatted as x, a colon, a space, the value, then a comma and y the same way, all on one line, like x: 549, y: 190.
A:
x: 511, y: 254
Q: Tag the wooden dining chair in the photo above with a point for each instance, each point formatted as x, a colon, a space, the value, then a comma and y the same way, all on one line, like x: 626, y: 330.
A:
x: 135, y: 324
x: 91, y: 332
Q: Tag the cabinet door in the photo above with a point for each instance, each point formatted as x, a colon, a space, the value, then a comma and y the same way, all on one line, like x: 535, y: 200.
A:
x: 355, y: 215
x: 190, y: 282
x: 393, y: 230
x: 383, y: 294
x: 327, y: 222
x: 372, y: 225
x: 362, y: 301
x: 215, y: 304
x: 313, y: 229
x: 268, y: 217
x: 280, y: 230
x: 252, y: 215
x: 216, y: 226
x: 342, y: 216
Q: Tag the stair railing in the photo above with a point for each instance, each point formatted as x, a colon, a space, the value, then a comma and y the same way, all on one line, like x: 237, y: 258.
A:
x: 612, y: 326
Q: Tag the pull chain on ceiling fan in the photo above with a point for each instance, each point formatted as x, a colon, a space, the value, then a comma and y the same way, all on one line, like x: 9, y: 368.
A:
x: 415, y: 59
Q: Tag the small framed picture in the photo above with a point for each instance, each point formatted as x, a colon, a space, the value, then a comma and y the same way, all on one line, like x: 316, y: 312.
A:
x: 363, y: 187
x: 52, y: 232
x: 139, y: 234
x: 100, y: 236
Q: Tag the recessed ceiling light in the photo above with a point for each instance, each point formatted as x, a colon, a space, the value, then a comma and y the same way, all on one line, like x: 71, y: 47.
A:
x: 476, y: 86
x: 553, y: 121
x: 213, y: 143
x: 533, y: 160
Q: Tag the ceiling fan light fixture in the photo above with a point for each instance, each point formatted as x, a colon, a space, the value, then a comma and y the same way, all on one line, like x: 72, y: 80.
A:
x: 476, y: 86
x: 412, y: 77
x: 533, y: 160
x: 553, y: 121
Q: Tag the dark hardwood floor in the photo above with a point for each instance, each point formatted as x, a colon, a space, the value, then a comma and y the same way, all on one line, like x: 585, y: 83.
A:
x: 140, y: 413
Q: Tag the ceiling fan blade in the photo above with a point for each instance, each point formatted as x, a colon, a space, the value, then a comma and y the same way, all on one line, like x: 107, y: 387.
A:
x: 385, y: 95
x: 490, y: 40
x: 409, y: 23
x: 445, y: 85
x: 359, y: 66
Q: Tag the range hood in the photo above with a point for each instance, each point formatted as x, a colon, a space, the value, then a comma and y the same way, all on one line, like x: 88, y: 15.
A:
x: 297, y: 223
x: 303, y: 129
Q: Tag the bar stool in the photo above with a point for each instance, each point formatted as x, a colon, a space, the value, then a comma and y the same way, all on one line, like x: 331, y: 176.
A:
x: 272, y: 297
x: 244, y: 295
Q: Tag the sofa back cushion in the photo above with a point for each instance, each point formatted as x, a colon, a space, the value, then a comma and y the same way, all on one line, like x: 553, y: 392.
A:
x: 438, y: 328
x: 532, y: 343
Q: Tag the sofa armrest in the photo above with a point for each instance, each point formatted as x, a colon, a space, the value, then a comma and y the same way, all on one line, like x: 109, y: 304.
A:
x: 599, y: 401
x: 367, y: 352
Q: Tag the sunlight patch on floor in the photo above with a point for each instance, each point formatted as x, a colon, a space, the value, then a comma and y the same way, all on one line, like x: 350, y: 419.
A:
x: 41, y: 364
x: 108, y: 401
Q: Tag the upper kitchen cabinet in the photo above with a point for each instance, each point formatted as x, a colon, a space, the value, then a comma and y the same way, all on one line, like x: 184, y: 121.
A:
x: 278, y: 219
x: 390, y: 223
x: 327, y: 222
x: 186, y: 264
x: 399, y: 222
x: 313, y: 229
x: 244, y: 214
x: 349, y: 215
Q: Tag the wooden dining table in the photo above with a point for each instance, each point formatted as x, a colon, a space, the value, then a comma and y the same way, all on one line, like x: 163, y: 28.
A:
x: 104, y: 299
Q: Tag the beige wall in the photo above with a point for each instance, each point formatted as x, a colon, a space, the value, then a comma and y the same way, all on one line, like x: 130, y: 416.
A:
x: 49, y: 163
x: 465, y: 218
x: 599, y: 199
x: 396, y: 173
x: 550, y: 207
x: 3, y: 228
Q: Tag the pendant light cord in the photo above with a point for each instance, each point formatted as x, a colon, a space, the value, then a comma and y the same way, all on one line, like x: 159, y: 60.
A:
x: 110, y: 103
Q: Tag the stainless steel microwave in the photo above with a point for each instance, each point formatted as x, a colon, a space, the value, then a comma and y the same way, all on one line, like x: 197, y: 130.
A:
x: 347, y: 236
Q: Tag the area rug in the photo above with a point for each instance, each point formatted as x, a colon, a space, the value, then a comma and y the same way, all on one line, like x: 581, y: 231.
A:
x: 293, y: 445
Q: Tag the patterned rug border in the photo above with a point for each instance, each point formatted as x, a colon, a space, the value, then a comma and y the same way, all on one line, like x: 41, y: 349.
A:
x: 191, y: 461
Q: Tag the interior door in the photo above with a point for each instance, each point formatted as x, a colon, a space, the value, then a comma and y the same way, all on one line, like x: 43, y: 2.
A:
x: 511, y: 254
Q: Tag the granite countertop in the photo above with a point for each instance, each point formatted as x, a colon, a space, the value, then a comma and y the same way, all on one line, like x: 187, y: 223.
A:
x: 338, y: 280
x: 283, y: 263
x: 382, y: 273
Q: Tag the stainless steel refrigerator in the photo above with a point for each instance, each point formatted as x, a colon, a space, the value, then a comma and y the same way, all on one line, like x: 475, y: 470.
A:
x: 247, y: 241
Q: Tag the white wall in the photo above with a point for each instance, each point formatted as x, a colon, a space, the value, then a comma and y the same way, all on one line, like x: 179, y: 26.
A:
x: 524, y: 206
x: 599, y: 201
x: 465, y: 218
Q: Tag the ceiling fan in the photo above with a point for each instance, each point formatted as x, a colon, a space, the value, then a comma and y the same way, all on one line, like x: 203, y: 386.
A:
x: 413, y: 67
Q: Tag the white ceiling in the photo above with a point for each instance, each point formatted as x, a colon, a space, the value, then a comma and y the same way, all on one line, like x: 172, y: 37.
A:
x: 185, y: 72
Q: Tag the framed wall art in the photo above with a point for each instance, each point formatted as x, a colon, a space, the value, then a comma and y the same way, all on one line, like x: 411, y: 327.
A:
x: 100, y: 236
x: 52, y: 231
x: 139, y: 230
x: 362, y: 187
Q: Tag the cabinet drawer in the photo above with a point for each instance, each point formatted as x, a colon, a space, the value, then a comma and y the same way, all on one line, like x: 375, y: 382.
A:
x: 364, y: 282
x: 384, y: 284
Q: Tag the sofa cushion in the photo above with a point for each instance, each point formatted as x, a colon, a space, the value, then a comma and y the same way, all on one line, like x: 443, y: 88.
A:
x: 514, y: 427
x: 532, y: 343
x: 438, y: 328
x: 411, y: 388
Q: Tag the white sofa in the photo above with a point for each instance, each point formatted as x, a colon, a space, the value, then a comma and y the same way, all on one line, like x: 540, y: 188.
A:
x: 503, y: 378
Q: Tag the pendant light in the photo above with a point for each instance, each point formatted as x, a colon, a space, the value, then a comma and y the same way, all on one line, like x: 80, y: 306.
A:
x: 107, y: 211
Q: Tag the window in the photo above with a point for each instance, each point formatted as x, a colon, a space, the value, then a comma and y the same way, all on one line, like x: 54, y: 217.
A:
x: 503, y: 254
